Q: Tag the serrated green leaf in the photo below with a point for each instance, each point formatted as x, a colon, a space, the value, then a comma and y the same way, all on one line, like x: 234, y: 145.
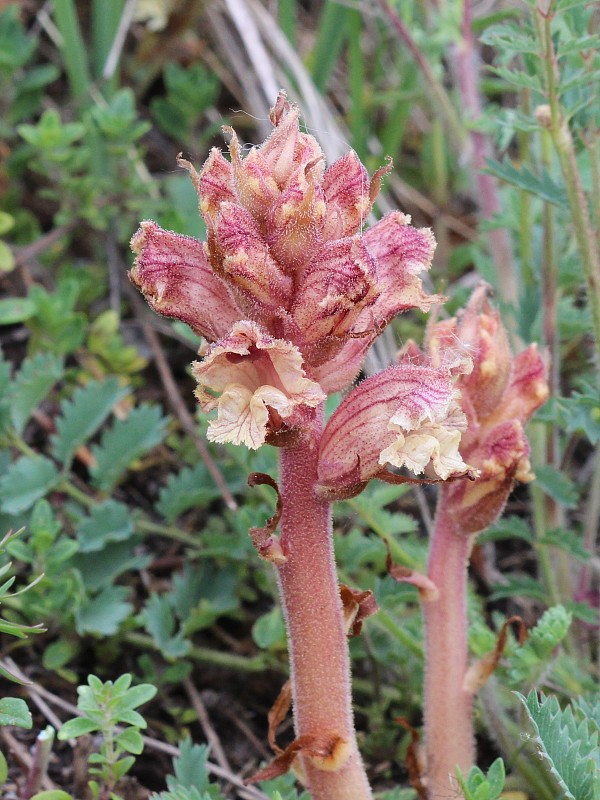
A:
x: 190, y: 488
x: 108, y: 522
x: 558, y: 485
x: 570, y: 751
x: 82, y: 415
x: 524, y: 586
x: 127, y: 440
x: 518, y: 78
x: 160, y: 623
x: 567, y: 540
x: 16, y: 309
x: 104, y: 613
x: 52, y: 794
x: 542, y: 187
x: 31, y: 384
x: 14, y: 711
x: 25, y: 481
x: 507, y: 528
x: 530, y: 660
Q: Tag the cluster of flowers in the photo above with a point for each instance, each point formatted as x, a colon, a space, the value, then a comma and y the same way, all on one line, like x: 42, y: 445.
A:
x: 290, y: 292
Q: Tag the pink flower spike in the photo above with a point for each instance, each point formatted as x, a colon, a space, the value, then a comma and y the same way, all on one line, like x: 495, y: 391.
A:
x: 405, y: 416
x: 256, y: 383
x: 401, y: 252
x: 173, y: 274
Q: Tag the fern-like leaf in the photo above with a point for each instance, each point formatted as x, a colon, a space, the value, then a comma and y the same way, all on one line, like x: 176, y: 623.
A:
x: 82, y: 415
x: 531, y: 659
x: 127, y: 440
x: 568, y: 746
x: 32, y: 383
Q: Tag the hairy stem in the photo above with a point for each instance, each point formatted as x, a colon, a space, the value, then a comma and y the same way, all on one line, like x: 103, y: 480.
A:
x: 449, y: 738
x: 319, y: 658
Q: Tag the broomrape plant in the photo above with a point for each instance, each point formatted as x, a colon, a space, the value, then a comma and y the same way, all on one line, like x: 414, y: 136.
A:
x: 289, y: 293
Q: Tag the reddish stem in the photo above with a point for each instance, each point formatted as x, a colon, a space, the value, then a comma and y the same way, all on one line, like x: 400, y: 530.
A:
x: 449, y: 737
x: 319, y: 658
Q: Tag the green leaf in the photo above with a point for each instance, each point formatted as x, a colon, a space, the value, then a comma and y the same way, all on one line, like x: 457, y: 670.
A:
x: 108, y: 522
x: 569, y: 748
x: 25, y: 481
x: 530, y: 660
x: 7, y: 259
x: 567, y: 540
x: 104, y: 613
x: 507, y: 528
x: 137, y: 696
x: 127, y: 440
x: 190, y: 488
x: 159, y: 621
x: 269, y: 630
x: 14, y: 711
x: 130, y: 740
x: 16, y: 309
x: 77, y: 727
x: 558, y: 485
x: 542, y: 187
x: 3, y: 768
x: 52, y: 794
x: 31, y: 384
x: 82, y: 415
x: 523, y: 585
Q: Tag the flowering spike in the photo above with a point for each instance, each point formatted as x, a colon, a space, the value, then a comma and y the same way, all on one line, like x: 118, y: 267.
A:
x: 499, y: 396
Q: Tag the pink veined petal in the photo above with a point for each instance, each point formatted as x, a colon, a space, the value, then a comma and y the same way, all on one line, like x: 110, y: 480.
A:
x: 335, y: 288
x: 401, y: 252
x: 215, y: 183
x: 336, y: 373
x: 346, y: 189
x: 173, y: 274
x: 370, y: 419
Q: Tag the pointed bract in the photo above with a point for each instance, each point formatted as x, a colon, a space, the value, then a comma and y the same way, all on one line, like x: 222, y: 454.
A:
x: 175, y: 277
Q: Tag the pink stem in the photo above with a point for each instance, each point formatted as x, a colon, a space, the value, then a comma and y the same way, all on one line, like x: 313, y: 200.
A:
x: 449, y: 737
x: 319, y: 658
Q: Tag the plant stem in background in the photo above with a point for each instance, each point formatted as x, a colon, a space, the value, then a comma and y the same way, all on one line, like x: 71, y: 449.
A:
x: 558, y: 126
x: 319, y: 659
x: 443, y: 104
x: 449, y: 737
x: 499, y: 240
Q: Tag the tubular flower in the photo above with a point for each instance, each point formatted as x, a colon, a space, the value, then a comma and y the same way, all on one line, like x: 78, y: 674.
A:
x: 257, y: 385
x: 498, y: 397
x: 406, y: 416
x: 286, y: 254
